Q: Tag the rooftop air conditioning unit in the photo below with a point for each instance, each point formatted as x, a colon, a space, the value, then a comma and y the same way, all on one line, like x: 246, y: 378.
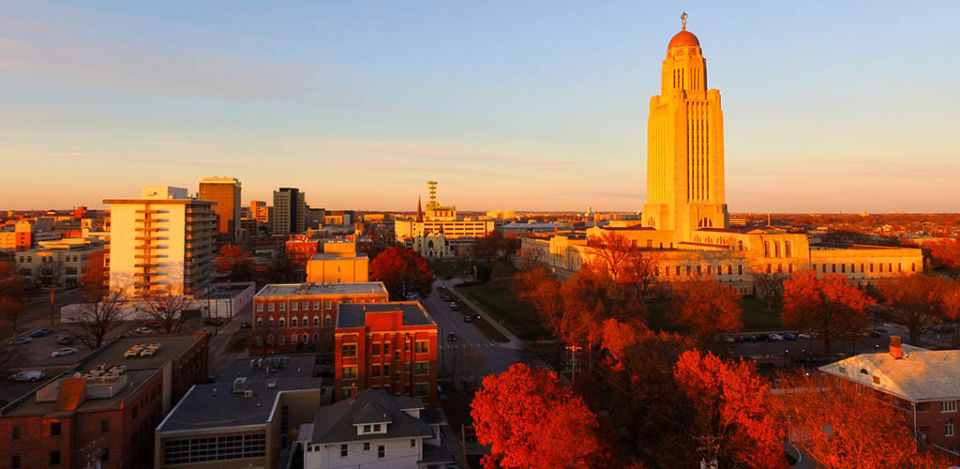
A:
x: 239, y: 385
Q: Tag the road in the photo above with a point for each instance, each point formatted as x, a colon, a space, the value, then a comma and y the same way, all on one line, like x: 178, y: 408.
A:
x: 472, y: 356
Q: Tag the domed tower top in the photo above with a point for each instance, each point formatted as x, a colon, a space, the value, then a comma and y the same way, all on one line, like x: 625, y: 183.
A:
x: 684, y: 38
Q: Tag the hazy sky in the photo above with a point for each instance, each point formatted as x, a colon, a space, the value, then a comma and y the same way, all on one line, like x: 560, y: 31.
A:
x: 523, y: 105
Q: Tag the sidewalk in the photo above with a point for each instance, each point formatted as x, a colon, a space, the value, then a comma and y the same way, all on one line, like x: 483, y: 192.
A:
x: 515, y: 342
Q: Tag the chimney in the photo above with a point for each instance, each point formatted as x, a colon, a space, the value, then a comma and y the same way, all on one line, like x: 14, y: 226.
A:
x: 896, y: 349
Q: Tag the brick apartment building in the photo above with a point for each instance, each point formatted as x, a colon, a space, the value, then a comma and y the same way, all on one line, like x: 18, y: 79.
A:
x: 299, y: 249
x: 104, y: 410
x: 303, y: 316
x: 389, y: 346
x: 924, y: 384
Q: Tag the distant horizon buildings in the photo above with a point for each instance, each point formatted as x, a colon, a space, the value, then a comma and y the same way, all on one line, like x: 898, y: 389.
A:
x: 161, y: 241
x: 225, y: 191
x: 439, y: 231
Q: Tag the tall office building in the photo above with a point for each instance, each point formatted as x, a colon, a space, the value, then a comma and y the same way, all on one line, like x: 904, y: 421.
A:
x: 225, y: 191
x: 259, y: 211
x: 289, y: 208
x: 163, y: 240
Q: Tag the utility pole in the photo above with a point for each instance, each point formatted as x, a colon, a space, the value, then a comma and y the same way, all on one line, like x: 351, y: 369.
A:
x: 573, y: 348
x: 710, y: 449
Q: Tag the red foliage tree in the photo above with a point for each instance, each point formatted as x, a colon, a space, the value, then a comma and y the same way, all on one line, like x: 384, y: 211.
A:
x: 623, y: 262
x: 828, y: 305
x: 946, y: 253
x: 13, y: 294
x: 531, y: 420
x: 234, y: 261
x: 94, y: 279
x: 706, y: 307
x: 841, y: 426
x: 918, y: 301
x: 403, y: 272
x: 731, y: 411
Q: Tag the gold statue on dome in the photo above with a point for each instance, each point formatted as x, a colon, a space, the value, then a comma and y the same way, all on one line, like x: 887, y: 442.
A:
x: 683, y: 19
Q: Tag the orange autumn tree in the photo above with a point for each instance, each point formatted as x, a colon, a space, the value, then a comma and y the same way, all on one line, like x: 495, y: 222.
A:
x: 841, y: 426
x: 731, y: 411
x: 403, y: 271
x: 234, y: 261
x: 828, y: 305
x: 94, y: 279
x: 917, y: 301
x: 530, y: 420
x: 946, y: 253
x: 706, y: 307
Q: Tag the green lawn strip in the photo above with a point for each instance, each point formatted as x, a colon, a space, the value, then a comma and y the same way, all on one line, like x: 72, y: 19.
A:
x: 496, y: 298
x: 485, y: 327
x: 450, y: 269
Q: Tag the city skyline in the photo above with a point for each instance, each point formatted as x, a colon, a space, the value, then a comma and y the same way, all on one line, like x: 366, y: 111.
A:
x: 822, y: 105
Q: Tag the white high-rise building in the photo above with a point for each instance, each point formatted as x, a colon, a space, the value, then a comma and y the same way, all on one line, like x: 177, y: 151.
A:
x: 161, y: 241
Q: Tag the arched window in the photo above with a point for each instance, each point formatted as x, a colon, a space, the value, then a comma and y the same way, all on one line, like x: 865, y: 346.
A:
x: 270, y: 321
x: 304, y: 322
x: 283, y: 322
x: 293, y: 321
x: 316, y: 322
x: 316, y: 337
x: 786, y: 249
x: 293, y: 339
x: 740, y: 245
x: 259, y: 323
x: 306, y: 339
x: 328, y: 321
x: 766, y: 249
x: 776, y: 249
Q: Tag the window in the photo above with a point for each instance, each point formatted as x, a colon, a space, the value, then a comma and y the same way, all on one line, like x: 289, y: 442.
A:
x: 328, y: 321
x: 343, y: 451
x: 316, y: 337
x: 316, y: 305
x: 876, y: 380
x: 283, y: 322
x: 386, y: 369
x: 420, y: 346
x: 948, y: 406
x: 270, y: 307
x: 104, y: 454
x: 283, y: 306
x: 366, y: 429
x: 55, y: 458
x: 293, y: 321
x: 281, y: 340
x: 293, y: 339
x: 316, y: 321
x: 786, y: 249
x: 15, y: 461
x: 381, y: 451
x: 55, y: 428
x: 306, y: 339
x: 375, y: 370
x: 420, y: 389
x: 259, y: 307
x: 305, y: 306
x: 328, y: 304
x: 740, y: 269
x: 15, y: 432
x: 386, y: 348
x: 366, y: 444
x: 294, y: 306
x: 349, y: 350
x: 304, y: 322
x: 948, y: 430
x: 422, y: 368
x: 270, y: 320
x: 413, y: 443
x: 349, y: 372
x: 376, y: 428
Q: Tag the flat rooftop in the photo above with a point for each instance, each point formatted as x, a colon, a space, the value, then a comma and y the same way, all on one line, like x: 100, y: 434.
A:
x: 208, y: 406
x: 354, y: 315
x: 138, y: 370
x: 294, y: 366
x: 324, y: 256
x: 309, y: 288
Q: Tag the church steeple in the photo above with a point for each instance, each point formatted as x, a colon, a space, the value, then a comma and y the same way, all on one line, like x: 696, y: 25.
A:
x: 419, y: 211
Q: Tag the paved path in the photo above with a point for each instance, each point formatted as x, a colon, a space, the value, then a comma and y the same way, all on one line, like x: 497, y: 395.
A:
x: 515, y: 342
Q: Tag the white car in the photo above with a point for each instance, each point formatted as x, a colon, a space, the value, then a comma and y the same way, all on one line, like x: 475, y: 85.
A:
x: 28, y: 375
x: 776, y: 337
x: 144, y: 330
x: 63, y: 352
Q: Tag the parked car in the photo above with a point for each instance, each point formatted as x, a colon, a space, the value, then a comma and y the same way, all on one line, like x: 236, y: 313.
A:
x: 729, y: 339
x: 467, y: 318
x: 245, y: 325
x: 775, y: 337
x: 28, y: 375
x: 63, y: 352
x: 455, y: 306
x: 143, y: 330
x: 749, y: 338
x: 806, y: 335
x: 22, y: 340
x: 213, y: 322
x: 451, y: 337
x: 65, y: 340
x: 789, y: 336
x: 43, y: 331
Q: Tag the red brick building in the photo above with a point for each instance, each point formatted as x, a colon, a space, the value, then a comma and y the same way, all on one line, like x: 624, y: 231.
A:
x: 103, y: 410
x: 298, y: 316
x: 923, y: 384
x: 299, y: 250
x: 389, y: 346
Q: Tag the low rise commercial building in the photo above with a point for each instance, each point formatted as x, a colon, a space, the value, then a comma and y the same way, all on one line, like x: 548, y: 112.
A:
x: 246, y: 420
x: 58, y: 263
x: 390, y: 346
x: 102, y: 412
x: 297, y: 316
x: 338, y: 263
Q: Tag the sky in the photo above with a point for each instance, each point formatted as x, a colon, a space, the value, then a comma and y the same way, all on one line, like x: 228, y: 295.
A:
x: 524, y: 105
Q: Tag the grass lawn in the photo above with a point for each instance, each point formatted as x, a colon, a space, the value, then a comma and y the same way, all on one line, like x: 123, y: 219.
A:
x: 450, y: 269
x: 497, y: 299
x: 488, y: 331
x: 755, y: 316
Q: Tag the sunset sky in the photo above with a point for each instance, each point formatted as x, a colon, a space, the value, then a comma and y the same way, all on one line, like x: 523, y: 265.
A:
x: 828, y: 106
